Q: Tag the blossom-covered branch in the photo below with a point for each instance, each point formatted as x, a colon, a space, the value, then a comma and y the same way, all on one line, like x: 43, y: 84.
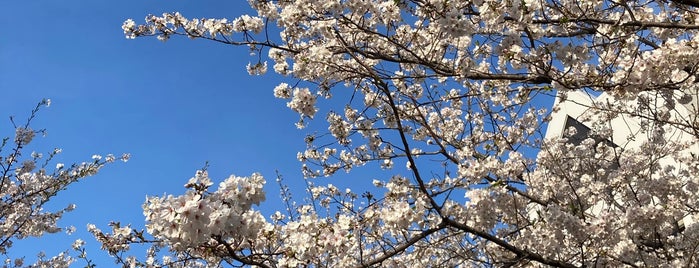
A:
x: 29, y: 183
x: 454, y: 91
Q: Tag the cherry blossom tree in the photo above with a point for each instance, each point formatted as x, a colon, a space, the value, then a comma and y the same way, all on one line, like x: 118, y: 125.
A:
x: 28, y: 184
x: 451, y: 91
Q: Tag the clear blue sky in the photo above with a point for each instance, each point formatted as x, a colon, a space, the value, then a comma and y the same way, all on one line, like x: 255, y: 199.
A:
x: 172, y: 105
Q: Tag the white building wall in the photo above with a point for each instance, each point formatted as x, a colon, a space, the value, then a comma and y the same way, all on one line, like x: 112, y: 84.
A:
x: 627, y: 132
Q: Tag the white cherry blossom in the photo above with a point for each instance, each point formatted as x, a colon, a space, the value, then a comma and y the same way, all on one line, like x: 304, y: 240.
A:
x: 458, y: 91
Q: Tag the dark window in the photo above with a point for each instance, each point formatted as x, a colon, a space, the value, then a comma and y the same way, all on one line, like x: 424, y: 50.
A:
x: 582, y: 132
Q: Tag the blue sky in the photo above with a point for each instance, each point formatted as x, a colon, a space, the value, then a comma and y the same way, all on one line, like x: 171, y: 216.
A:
x: 172, y: 105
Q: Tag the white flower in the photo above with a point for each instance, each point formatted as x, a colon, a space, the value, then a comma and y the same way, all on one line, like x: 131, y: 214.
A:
x: 248, y: 23
x: 282, y: 91
x: 129, y: 27
x: 77, y: 244
x: 24, y: 135
x: 259, y: 68
x: 303, y: 102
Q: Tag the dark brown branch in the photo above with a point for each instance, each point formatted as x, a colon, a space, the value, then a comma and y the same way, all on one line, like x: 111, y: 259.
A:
x: 522, y: 253
x: 404, y: 246
x: 233, y: 255
x: 693, y: 3
x: 642, y: 24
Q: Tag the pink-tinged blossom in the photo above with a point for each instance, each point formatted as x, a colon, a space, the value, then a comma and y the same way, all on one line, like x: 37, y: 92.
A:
x: 453, y: 89
x: 303, y: 102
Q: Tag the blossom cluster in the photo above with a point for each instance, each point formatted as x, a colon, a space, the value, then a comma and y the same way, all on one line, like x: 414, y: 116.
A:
x: 167, y: 25
x: 191, y: 219
x: 453, y: 92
